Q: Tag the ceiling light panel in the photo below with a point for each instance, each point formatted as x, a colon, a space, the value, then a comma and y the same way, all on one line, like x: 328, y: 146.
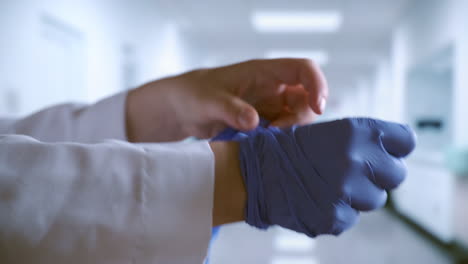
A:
x: 299, y: 21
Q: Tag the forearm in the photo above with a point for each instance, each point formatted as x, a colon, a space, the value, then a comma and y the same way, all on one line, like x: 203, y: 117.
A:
x: 73, y: 122
x: 229, y: 192
x: 77, y: 203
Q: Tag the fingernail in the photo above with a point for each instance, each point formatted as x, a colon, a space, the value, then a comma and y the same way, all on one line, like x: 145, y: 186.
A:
x: 322, y: 104
x: 244, y: 118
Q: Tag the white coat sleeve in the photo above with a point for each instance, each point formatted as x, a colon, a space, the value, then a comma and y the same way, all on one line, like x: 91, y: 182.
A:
x: 112, y: 202
x: 73, y: 122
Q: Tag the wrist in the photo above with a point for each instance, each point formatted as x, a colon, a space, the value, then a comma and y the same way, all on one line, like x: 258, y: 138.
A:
x: 229, y: 193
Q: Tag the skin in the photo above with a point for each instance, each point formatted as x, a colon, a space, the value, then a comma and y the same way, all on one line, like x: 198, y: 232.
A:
x: 230, y: 194
x: 202, y: 103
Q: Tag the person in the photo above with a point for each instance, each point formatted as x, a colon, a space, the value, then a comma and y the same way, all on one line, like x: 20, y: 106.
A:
x: 73, y: 191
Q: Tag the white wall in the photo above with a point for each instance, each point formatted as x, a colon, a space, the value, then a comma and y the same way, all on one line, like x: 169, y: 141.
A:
x: 167, y: 52
x: 383, y: 91
x: 429, y: 27
x: 430, y: 97
x: 461, y: 81
x: 109, y: 29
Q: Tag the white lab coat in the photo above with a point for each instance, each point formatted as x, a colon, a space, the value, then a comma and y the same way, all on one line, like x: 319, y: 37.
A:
x: 110, y: 202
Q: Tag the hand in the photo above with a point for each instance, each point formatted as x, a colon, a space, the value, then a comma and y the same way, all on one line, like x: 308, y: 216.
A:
x: 202, y: 103
x: 315, y: 179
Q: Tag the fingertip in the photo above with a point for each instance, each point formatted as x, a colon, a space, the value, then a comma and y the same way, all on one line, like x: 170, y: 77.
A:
x: 317, y: 103
x: 379, y: 200
x: 344, y: 218
x: 248, y: 119
x: 413, y: 138
x: 322, y: 104
x: 399, y: 140
x: 319, y: 94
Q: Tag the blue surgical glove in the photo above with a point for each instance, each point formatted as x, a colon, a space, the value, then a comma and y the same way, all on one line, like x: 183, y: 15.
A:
x: 315, y: 179
x: 231, y: 134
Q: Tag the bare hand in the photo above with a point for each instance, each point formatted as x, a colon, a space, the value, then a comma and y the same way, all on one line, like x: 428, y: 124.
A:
x: 202, y: 103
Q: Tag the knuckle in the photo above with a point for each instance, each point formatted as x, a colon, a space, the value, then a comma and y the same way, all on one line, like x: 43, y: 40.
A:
x: 254, y: 61
x: 349, y: 125
x: 376, y: 136
x: 334, y: 213
x: 309, y: 62
x: 354, y: 162
x: 345, y: 191
x: 350, y: 121
x: 355, y: 122
x: 371, y: 123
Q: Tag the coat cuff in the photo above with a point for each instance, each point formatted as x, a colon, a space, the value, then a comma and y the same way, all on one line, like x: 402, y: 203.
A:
x: 186, y: 200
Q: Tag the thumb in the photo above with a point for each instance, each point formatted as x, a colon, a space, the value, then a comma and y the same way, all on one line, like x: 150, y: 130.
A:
x: 235, y: 112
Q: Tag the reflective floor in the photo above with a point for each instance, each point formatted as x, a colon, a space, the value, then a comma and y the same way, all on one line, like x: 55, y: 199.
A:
x: 378, y: 238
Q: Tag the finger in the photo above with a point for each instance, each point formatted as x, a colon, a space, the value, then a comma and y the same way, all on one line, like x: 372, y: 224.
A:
x: 296, y: 98
x: 398, y: 140
x: 270, y: 107
x: 297, y: 110
x: 300, y: 71
x: 315, y: 83
x: 235, y: 112
x: 343, y: 217
x: 289, y: 120
x: 389, y: 172
x: 363, y: 194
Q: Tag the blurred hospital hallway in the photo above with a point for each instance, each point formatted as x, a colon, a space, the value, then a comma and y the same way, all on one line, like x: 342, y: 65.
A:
x: 378, y: 238
x: 398, y: 60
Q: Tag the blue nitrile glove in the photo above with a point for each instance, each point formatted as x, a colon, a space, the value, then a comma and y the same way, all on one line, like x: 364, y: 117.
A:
x: 229, y: 134
x: 315, y: 179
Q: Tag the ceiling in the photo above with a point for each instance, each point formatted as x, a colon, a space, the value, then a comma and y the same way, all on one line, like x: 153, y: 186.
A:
x: 220, y: 32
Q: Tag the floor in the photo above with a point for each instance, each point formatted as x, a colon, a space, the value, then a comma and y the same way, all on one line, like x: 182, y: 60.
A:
x: 378, y: 238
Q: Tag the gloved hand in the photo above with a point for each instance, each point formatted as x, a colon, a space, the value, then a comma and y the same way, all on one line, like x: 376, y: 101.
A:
x: 315, y: 179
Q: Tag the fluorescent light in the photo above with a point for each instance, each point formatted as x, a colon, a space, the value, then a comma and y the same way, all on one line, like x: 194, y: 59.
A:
x: 294, y: 260
x: 300, y: 21
x: 318, y: 56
